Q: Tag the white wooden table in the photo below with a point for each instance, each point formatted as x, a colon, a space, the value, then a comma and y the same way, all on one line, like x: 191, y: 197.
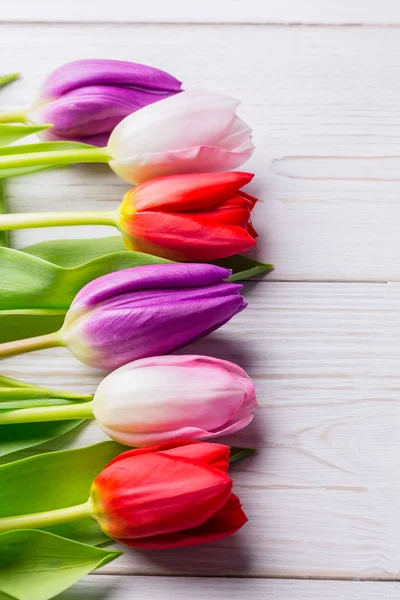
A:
x: 320, y: 84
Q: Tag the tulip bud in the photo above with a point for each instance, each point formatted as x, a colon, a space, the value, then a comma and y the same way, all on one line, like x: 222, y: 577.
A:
x: 185, y: 217
x: 194, y: 131
x: 165, y: 398
x: 84, y: 100
x: 147, y: 311
x: 139, y: 312
x: 167, y: 496
x: 195, y: 216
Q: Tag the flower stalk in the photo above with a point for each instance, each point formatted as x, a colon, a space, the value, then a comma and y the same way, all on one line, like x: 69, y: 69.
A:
x: 51, y: 219
x: 66, y: 412
x: 41, y: 342
x: 13, y: 116
x: 54, y: 158
x: 40, y: 520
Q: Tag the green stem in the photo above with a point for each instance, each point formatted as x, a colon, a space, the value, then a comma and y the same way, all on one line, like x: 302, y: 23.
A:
x: 13, y: 116
x: 60, y: 516
x: 50, y: 340
x: 30, y: 220
x: 55, y: 157
x: 32, y: 393
x: 67, y: 412
x: 9, y: 78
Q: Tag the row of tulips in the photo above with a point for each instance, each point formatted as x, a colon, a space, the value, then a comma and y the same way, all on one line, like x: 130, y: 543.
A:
x: 176, y: 145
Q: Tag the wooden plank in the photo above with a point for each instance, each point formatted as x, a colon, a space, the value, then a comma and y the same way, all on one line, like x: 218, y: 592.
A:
x: 97, y: 587
x: 322, y: 494
x: 224, y: 11
x: 327, y: 159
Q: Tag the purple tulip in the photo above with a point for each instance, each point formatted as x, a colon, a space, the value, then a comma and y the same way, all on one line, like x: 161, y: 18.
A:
x: 84, y: 100
x: 148, y: 311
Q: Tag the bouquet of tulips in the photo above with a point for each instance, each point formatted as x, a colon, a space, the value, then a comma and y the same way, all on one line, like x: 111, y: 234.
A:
x: 122, y: 305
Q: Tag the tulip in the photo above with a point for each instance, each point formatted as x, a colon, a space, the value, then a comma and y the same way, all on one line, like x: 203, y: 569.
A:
x: 139, y: 312
x: 84, y: 100
x: 157, y: 400
x: 161, y: 399
x: 190, y: 132
x: 165, y: 496
x: 195, y: 216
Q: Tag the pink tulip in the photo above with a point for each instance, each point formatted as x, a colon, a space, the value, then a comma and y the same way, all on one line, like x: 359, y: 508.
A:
x: 192, y: 132
x: 166, y: 398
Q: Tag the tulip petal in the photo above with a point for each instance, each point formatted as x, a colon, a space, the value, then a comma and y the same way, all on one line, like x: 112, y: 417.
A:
x: 92, y: 110
x: 167, y: 397
x: 148, y: 277
x: 219, y: 452
x: 138, y: 168
x: 238, y: 138
x: 155, y: 493
x: 191, y: 118
x: 216, y: 455
x: 148, y: 325
x: 158, y: 399
x: 148, y: 439
x: 82, y: 73
x: 188, y: 237
x: 229, y: 519
x: 185, y: 192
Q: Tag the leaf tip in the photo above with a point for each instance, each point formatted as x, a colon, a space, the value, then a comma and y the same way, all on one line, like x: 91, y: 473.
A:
x: 5, y: 79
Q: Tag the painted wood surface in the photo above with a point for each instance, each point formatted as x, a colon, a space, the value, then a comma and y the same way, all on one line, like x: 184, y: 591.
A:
x: 176, y: 588
x: 224, y: 11
x: 320, y: 336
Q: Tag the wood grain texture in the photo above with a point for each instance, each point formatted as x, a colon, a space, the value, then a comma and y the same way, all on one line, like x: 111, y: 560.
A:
x: 223, y: 11
x: 322, y: 494
x: 327, y: 154
x: 98, y: 587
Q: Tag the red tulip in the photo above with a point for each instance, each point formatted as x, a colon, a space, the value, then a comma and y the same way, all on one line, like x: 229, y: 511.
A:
x: 168, y: 496
x: 196, y: 216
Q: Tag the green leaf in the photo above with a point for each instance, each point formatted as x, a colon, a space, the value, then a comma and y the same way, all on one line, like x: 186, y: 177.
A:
x: 238, y: 454
x: 86, y: 531
x: 73, y: 253
x: 15, y: 324
x: 16, y: 394
x: 22, y: 436
x: 11, y: 402
x: 33, y: 283
x: 10, y: 133
x: 59, y: 479
x: 6, y: 79
x: 243, y: 267
x: 35, y: 565
x: 3, y: 210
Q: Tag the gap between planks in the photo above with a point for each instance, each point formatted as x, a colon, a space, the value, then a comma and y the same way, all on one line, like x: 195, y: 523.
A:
x: 289, y: 24
x: 315, y: 578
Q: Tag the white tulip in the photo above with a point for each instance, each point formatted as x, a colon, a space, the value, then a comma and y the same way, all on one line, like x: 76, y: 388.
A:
x: 193, y: 131
x: 160, y: 399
